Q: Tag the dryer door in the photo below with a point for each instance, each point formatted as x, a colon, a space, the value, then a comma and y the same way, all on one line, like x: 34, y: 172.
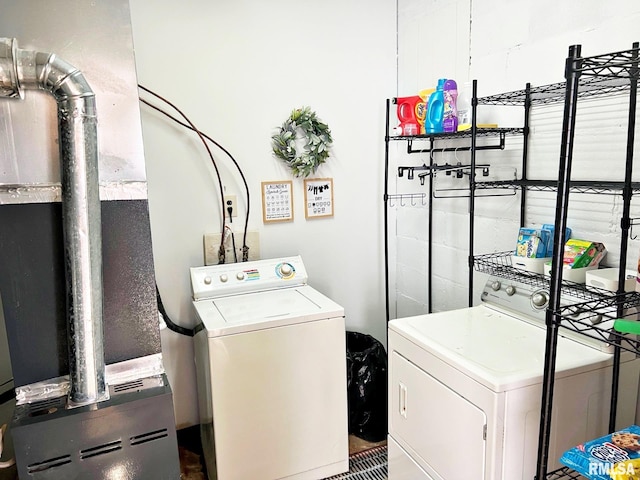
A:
x: 442, y: 429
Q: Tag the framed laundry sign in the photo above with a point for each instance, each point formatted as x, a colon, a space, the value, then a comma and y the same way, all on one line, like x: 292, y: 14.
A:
x: 277, y: 201
x: 318, y: 197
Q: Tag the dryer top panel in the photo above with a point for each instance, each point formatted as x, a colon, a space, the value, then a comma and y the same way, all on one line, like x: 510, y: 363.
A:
x: 500, y: 351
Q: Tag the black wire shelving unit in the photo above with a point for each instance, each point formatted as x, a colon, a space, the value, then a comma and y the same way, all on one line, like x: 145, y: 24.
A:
x: 586, y: 77
x: 493, y: 139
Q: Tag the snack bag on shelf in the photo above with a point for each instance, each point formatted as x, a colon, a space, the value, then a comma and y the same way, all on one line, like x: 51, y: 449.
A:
x: 615, y: 456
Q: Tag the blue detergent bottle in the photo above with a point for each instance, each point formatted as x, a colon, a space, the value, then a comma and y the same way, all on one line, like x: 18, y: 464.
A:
x: 435, y: 109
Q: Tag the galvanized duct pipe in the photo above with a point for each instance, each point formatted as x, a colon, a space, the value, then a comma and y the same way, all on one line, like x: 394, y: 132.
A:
x: 24, y: 69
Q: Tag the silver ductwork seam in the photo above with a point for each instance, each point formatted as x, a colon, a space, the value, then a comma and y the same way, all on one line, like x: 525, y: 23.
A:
x: 22, y: 70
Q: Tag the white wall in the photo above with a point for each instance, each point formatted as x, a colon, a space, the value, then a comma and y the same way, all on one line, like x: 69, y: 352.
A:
x: 505, y: 44
x: 237, y: 69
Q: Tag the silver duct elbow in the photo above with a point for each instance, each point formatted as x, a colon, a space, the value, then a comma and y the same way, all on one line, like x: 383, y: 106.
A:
x: 24, y: 69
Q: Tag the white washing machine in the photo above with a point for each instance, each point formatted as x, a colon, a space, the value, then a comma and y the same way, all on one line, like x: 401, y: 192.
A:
x: 465, y: 389
x: 271, y: 368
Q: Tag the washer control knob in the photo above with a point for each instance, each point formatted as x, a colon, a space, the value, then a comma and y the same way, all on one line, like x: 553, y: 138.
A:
x: 286, y: 269
x: 207, y: 280
x: 596, y: 319
x: 495, y: 285
x: 540, y: 299
x: 240, y: 276
x: 224, y: 278
x: 511, y: 290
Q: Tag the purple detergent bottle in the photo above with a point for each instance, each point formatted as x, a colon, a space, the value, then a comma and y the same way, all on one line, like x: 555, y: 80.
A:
x: 450, y: 113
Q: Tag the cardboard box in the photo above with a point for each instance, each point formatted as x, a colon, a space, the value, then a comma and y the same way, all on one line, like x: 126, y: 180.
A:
x: 583, y: 253
x: 533, y: 243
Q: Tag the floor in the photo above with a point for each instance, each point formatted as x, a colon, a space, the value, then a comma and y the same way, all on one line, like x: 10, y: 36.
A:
x: 192, y: 464
x: 191, y: 460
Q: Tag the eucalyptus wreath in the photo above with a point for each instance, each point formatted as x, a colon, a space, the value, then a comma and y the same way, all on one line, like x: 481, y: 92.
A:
x: 317, y: 137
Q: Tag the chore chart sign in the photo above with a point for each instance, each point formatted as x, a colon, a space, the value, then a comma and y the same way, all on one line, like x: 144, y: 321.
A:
x: 277, y: 201
x: 318, y: 197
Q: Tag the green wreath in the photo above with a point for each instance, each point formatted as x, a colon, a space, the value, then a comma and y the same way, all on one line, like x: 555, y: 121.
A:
x: 317, y: 142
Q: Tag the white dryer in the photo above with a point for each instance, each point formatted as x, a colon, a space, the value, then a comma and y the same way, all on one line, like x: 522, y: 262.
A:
x: 271, y: 371
x: 465, y: 389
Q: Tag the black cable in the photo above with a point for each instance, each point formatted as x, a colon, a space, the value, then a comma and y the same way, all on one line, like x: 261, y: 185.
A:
x: 233, y: 242
x: 245, y: 249
x: 215, y: 166
x: 170, y: 325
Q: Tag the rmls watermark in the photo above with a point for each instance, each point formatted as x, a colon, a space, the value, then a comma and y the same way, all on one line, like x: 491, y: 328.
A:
x: 605, y: 468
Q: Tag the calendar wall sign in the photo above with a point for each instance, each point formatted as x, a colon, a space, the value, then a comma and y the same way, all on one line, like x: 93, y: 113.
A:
x: 277, y: 201
x: 318, y: 197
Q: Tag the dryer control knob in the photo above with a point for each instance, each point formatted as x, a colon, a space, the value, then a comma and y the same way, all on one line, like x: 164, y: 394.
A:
x: 285, y: 269
x: 511, y: 290
x: 240, y: 275
x: 207, y: 280
x: 495, y: 285
x: 224, y: 278
x: 540, y: 299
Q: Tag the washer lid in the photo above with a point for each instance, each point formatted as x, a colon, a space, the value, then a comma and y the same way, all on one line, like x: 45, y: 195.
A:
x: 500, y: 351
x: 272, y: 308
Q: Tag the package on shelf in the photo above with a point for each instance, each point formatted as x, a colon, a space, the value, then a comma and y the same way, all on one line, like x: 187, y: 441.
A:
x: 551, y: 227
x: 615, y: 456
x: 533, y: 243
x: 583, y: 253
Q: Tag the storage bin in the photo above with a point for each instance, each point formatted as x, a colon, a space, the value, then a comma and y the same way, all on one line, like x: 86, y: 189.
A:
x: 575, y: 275
x: 607, y: 279
x: 535, y: 265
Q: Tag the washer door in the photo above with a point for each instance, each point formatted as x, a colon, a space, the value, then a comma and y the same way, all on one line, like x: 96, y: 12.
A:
x: 444, y: 430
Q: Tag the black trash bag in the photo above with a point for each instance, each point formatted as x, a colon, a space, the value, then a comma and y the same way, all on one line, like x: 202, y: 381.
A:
x: 366, y: 387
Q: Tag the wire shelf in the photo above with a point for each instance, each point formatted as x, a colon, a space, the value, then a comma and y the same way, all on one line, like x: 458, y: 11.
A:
x: 554, y: 93
x: 481, y: 132
x: 597, y: 187
x: 586, y: 310
x: 563, y: 474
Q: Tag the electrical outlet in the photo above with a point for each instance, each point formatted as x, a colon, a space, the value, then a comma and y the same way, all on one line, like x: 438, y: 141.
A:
x: 212, y: 245
x: 230, y: 201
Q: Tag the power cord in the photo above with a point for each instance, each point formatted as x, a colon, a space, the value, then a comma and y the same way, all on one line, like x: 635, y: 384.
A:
x: 215, y: 166
x: 10, y: 462
x: 245, y: 248
x: 221, y: 251
x: 170, y: 325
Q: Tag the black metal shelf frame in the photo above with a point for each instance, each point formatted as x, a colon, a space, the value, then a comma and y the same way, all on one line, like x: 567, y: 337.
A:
x: 610, y: 74
x: 615, y: 70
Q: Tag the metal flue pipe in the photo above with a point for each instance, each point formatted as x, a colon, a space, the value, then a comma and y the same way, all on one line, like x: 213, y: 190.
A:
x: 24, y: 69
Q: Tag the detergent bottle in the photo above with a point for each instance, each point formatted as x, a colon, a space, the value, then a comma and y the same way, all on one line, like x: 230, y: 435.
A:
x: 449, y: 113
x: 435, y: 108
x: 463, y: 105
x: 421, y: 108
x: 407, y: 114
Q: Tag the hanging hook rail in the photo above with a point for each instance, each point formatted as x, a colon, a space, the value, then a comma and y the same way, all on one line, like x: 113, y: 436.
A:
x: 412, y: 197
